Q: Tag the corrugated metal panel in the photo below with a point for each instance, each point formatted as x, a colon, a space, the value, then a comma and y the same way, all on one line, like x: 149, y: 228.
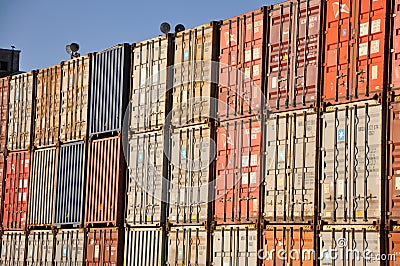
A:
x: 351, y: 163
x: 40, y: 248
x: 147, y: 187
x: 151, y: 82
x: 48, y: 100
x: 188, y: 246
x: 396, y: 46
x: 241, y: 77
x: 22, y: 91
x: 195, y: 75
x: 144, y: 247
x: 75, y: 98
x: 69, y: 247
x: 394, y: 248
x: 105, y: 185
x: 42, y: 187
x: 290, y: 171
x: 238, y: 171
x: 109, y: 89
x: 104, y: 246
x: 294, y: 54
x: 235, y: 245
x: 16, y: 191
x: 4, y: 87
x: 393, y: 170
x: 192, y: 155
x: 2, y: 183
x: 13, y: 245
x: 69, y: 201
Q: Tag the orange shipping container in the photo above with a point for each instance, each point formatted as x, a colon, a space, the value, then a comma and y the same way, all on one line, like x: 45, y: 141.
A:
x: 396, y: 48
x: 104, y: 247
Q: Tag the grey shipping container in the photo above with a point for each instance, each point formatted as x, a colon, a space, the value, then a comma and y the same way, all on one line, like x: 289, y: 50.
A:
x: 235, y: 245
x: 69, y: 247
x: 40, y: 248
x: 188, y: 246
x: 192, y: 161
x: 147, y: 181
x: 69, y: 202
x: 351, y: 163
x: 42, y: 187
x: 109, y: 85
x: 21, y: 111
x: 151, y: 83
x: 144, y: 247
x: 290, y: 172
x: 195, y: 75
x: 75, y: 98
x: 13, y: 245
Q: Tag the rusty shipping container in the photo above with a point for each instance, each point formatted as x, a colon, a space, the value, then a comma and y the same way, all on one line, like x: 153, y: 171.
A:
x: 188, y: 246
x: 192, y: 166
x: 395, y: 82
x: 109, y: 84
x: 16, y: 190
x: 40, y: 247
x: 2, y: 183
x: 21, y: 111
x: 69, y: 200
x: 151, y: 83
x: 144, y: 247
x: 105, y: 184
x: 13, y: 244
x: 392, y: 254
x: 47, y: 105
x: 288, y: 245
x: 294, y: 54
x: 235, y: 245
x: 42, y: 187
x: 105, y: 247
x: 241, y: 74
x: 4, y: 92
x: 195, y: 75
x: 351, y: 157
x: 238, y: 171
x: 75, y: 91
x: 355, y: 51
x: 290, y: 172
x: 148, y: 179
x: 69, y: 247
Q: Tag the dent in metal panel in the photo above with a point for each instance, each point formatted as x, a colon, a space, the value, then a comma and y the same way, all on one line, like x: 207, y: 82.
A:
x: 70, y: 184
x: 69, y: 247
x: 13, y: 245
x: 40, y: 248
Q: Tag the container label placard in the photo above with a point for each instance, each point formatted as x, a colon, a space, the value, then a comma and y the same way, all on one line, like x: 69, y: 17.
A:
x: 96, y: 251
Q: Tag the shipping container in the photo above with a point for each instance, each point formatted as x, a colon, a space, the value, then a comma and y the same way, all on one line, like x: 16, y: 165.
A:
x: 40, y: 248
x: 238, y: 171
x: 195, y: 75
x: 241, y: 70
x: 21, y: 111
x: 109, y: 84
x: 13, y: 244
x: 392, y: 254
x: 4, y: 89
x: 235, y: 245
x: 351, y: 163
x: 47, y: 105
x: 105, y: 247
x: 75, y: 98
x: 147, y: 183
x: 16, y: 191
x: 144, y: 247
x: 188, y: 246
x: 192, y: 164
x: 2, y: 183
x: 105, y: 184
x: 294, y: 54
x: 393, y: 171
x: 290, y: 172
x: 356, y: 46
x: 69, y: 201
x: 396, y: 47
x: 69, y: 247
x: 42, y: 187
x: 151, y: 83
x: 288, y: 245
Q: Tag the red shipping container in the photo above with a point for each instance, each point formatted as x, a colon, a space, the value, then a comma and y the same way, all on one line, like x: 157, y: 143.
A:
x: 241, y: 65
x: 4, y: 85
x: 16, y: 191
x: 355, y: 52
x: 238, y: 171
x: 2, y: 169
x: 396, y: 48
x: 105, y: 246
x: 393, y: 254
x: 294, y: 55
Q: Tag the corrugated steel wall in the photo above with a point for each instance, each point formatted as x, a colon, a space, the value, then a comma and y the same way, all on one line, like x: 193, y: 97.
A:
x: 69, y: 247
x: 13, y: 245
x: 40, y: 248
x: 4, y: 93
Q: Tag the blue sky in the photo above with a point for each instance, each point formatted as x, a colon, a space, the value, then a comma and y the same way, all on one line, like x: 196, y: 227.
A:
x: 42, y: 28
